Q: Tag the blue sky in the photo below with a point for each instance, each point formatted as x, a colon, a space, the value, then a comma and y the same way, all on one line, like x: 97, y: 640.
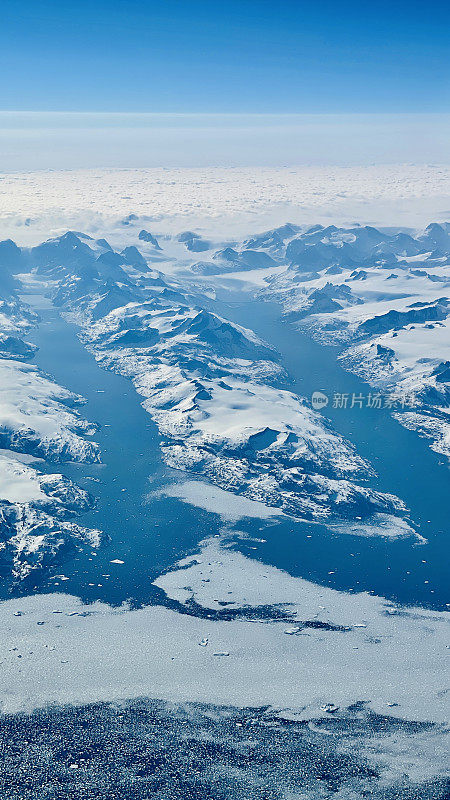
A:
x: 267, y: 57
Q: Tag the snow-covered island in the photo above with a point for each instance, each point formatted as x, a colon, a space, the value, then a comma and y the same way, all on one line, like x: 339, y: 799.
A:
x: 39, y: 425
x: 216, y: 391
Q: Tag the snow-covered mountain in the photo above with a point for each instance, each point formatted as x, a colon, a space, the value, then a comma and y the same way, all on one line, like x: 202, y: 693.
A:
x: 384, y: 299
x: 39, y: 421
x: 215, y: 390
x: 381, y: 296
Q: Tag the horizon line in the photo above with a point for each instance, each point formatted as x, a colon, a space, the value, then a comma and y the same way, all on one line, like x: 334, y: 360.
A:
x: 232, y: 113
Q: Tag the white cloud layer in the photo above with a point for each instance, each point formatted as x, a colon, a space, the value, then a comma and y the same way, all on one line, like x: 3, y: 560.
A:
x: 226, y: 202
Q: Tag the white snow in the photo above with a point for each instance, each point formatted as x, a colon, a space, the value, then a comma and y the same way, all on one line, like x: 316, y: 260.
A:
x: 154, y: 651
x: 18, y: 483
x: 228, y: 506
x: 32, y: 410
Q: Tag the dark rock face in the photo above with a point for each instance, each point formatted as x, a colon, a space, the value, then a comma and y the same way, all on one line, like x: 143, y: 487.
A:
x: 132, y: 256
x: 442, y: 372
x: 13, y: 347
x: 11, y: 262
x: 146, y: 236
x: 394, y: 320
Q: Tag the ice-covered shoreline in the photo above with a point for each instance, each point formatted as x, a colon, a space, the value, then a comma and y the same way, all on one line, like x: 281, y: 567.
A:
x: 39, y: 422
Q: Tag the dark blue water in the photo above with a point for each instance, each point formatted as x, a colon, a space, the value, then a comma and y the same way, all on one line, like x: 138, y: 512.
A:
x: 150, y: 533
x: 404, y: 463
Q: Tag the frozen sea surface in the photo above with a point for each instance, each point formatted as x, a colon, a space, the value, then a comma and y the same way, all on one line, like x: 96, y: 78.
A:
x: 144, y: 749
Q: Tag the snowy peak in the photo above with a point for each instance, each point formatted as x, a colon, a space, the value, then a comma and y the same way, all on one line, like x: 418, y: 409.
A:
x: 437, y: 237
x: 146, y: 236
x: 273, y: 239
x: 11, y: 262
x: 227, y: 339
x: 11, y: 257
x: 193, y: 242
x: 320, y: 248
x: 132, y: 256
x: 230, y: 260
x: 68, y: 250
